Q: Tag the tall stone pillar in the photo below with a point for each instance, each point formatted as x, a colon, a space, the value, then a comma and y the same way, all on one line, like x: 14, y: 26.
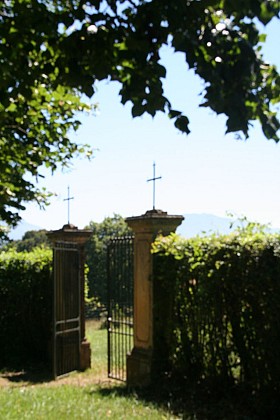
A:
x: 145, y: 228
x: 71, y: 234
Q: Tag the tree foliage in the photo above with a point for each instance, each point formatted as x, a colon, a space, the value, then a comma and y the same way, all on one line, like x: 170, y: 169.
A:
x: 31, y: 239
x: 96, y: 253
x: 36, y: 110
x: 53, y: 51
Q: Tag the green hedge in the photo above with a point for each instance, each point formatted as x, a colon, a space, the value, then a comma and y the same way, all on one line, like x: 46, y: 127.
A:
x: 26, y: 306
x: 222, y: 320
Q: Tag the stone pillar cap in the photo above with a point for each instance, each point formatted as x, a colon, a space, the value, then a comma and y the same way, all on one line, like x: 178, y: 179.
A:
x: 70, y: 233
x: 69, y: 226
x: 155, y: 214
x: 154, y: 221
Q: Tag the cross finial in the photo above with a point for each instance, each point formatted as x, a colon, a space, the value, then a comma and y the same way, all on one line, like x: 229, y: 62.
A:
x: 154, y: 179
x: 68, y: 202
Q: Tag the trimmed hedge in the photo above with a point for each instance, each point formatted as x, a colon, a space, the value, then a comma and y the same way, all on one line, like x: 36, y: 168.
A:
x: 220, y: 320
x: 25, y: 306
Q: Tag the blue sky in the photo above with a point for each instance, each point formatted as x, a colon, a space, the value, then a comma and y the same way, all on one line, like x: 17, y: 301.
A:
x: 205, y: 172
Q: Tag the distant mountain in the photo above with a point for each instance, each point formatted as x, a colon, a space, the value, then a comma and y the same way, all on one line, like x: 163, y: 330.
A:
x: 22, y: 227
x: 196, y: 224
x: 193, y: 224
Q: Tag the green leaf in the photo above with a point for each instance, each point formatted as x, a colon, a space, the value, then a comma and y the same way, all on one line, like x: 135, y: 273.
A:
x: 138, y: 110
x: 172, y: 113
x: 182, y: 123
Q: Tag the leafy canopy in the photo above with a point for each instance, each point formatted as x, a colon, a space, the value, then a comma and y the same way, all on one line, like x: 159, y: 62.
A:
x: 31, y: 240
x: 53, y: 51
x: 96, y: 253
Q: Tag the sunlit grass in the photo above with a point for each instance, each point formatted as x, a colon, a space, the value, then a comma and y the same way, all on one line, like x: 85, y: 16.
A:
x: 97, y: 337
x: 72, y: 402
x: 81, y: 399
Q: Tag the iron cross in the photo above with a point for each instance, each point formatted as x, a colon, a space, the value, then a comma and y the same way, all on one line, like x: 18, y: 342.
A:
x: 154, y: 179
x: 68, y: 200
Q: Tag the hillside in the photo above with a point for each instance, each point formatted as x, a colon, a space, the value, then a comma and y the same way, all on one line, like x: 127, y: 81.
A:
x: 21, y: 228
x: 193, y: 224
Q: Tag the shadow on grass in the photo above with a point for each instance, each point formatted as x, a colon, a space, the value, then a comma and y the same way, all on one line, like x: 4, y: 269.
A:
x: 32, y: 375
x: 202, y: 402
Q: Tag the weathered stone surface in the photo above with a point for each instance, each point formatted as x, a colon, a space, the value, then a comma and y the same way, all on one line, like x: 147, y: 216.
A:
x: 145, y: 228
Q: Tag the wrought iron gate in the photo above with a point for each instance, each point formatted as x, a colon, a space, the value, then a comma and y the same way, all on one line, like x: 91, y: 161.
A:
x: 120, y: 305
x: 67, y: 333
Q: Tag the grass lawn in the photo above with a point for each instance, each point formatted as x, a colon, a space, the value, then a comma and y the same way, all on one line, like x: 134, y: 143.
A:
x: 91, y: 395
x: 73, y: 402
x: 88, y: 395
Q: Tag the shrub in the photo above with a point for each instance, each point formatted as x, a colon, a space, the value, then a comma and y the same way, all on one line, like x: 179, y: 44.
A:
x: 96, y: 259
x: 26, y: 306
x: 223, y: 319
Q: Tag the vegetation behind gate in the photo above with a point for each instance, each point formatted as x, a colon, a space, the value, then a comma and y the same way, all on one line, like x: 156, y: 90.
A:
x: 223, y: 321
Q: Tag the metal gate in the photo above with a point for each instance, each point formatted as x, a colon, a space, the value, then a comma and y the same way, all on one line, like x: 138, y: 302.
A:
x: 120, y: 305
x: 66, y: 328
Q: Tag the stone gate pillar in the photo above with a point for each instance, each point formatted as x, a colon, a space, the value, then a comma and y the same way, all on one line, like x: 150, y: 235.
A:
x: 145, y: 228
x: 71, y: 234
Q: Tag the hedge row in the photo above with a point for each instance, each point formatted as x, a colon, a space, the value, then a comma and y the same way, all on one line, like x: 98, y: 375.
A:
x: 222, y: 321
x: 25, y: 306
